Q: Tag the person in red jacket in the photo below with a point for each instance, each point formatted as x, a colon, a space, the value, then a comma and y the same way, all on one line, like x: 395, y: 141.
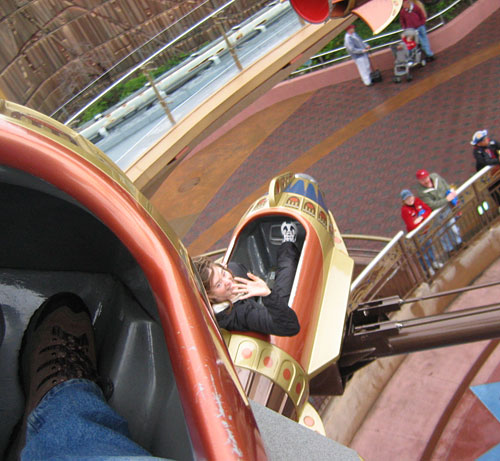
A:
x: 413, y: 17
x: 413, y: 210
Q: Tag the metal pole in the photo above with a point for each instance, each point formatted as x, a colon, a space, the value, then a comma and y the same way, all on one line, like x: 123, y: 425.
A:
x: 158, y: 95
x: 447, y: 329
x: 396, y: 301
x: 400, y: 337
x: 449, y: 292
x: 228, y: 43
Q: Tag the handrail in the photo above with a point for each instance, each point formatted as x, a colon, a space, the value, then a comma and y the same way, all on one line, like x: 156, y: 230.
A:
x: 149, y: 59
x: 374, y: 238
x: 407, y: 262
x: 376, y: 260
x: 137, y: 50
x: 444, y: 11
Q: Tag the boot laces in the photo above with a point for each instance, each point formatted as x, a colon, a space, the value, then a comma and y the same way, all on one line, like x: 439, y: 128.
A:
x: 69, y: 359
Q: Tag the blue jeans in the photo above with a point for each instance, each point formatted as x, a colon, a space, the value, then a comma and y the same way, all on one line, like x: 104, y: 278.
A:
x: 450, y: 236
x: 424, y: 40
x: 74, y: 421
x: 428, y: 256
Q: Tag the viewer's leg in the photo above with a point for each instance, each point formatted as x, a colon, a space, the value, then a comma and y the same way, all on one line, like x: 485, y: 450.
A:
x: 74, y: 420
x: 66, y: 414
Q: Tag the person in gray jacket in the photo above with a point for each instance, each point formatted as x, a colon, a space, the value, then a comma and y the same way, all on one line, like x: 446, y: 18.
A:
x: 358, y: 50
x: 434, y: 190
x: 437, y: 193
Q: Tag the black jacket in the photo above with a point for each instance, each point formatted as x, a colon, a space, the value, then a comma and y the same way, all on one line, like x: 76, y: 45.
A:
x: 274, y: 317
x: 486, y: 155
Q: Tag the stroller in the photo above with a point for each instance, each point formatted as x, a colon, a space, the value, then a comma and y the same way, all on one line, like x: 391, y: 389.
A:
x: 407, y: 54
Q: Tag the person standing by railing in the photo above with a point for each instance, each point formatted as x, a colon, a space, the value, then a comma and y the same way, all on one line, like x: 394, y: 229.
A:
x: 414, y: 211
x: 412, y: 16
x: 437, y: 193
x: 487, y: 153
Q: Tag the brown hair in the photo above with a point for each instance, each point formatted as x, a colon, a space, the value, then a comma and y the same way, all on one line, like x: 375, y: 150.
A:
x: 205, y: 268
x: 421, y: 6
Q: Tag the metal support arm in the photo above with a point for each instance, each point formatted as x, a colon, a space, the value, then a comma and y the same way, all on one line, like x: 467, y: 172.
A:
x: 368, y: 342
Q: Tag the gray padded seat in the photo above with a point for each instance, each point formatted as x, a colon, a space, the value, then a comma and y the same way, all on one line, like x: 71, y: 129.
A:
x: 51, y: 244
x: 257, y: 245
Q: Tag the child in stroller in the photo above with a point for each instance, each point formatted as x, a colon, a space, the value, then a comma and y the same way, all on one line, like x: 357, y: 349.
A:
x: 407, y: 54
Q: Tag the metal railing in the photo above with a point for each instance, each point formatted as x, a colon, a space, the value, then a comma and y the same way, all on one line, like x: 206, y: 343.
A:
x: 409, y: 260
x: 210, y: 22
x: 127, y: 63
x: 363, y: 249
x: 434, y: 22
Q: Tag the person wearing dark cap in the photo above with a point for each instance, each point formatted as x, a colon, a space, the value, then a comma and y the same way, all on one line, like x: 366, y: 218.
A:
x: 437, y: 193
x: 486, y: 150
x: 414, y: 212
x: 358, y: 50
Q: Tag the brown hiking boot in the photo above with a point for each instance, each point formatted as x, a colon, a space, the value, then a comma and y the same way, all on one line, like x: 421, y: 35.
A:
x: 58, y: 345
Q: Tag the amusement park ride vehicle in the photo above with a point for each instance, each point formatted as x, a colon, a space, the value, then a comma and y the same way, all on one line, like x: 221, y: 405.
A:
x: 72, y: 221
